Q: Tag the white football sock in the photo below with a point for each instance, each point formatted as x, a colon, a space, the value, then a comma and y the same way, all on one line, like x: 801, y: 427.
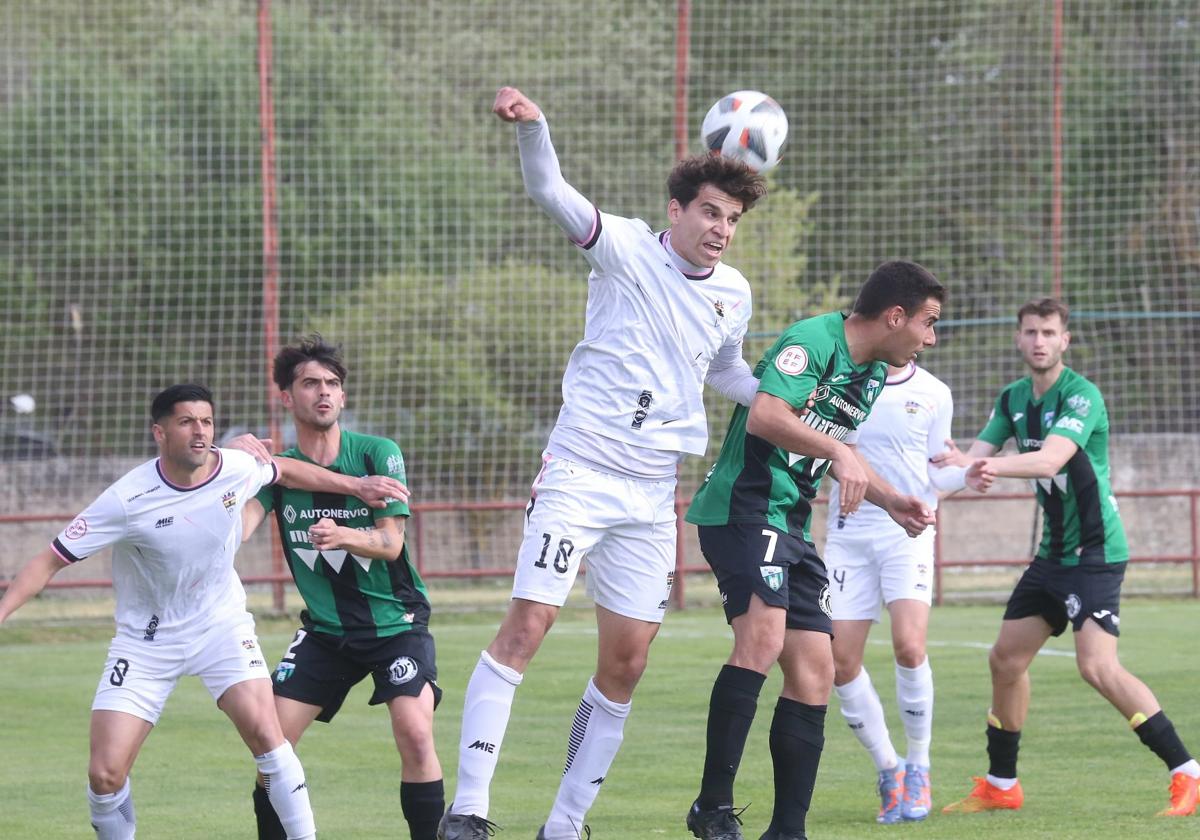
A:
x: 1003, y: 784
x: 486, y: 709
x: 112, y: 813
x: 914, y: 696
x: 283, y: 777
x: 1190, y: 768
x: 596, y: 736
x: 864, y: 713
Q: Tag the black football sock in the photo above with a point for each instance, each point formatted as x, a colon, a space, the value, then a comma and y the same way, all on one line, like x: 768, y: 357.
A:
x: 423, y: 804
x: 1158, y: 733
x: 730, y: 713
x: 797, y: 739
x: 269, y: 827
x: 1002, y: 747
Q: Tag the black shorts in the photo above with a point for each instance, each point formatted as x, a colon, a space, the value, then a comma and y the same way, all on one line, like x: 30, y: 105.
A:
x: 1069, y: 593
x: 319, y: 669
x: 782, y: 570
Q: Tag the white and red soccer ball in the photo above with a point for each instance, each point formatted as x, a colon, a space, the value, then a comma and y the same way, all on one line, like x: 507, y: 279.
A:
x: 747, y: 125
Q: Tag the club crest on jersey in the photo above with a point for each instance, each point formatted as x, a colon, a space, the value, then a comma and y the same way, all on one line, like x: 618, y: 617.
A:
x: 395, y: 465
x: 872, y: 387
x: 230, y: 501
x: 77, y: 529
x: 1048, y: 419
x: 402, y: 670
x: 792, y: 360
x: 773, y: 575
x: 912, y: 406
x: 719, y: 306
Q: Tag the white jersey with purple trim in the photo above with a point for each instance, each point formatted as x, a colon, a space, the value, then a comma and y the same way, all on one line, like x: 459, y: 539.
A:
x: 908, y: 425
x: 651, y: 334
x: 173, y: 547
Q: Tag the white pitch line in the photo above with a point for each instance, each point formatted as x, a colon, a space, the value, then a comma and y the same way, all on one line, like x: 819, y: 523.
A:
x: 669, y: 632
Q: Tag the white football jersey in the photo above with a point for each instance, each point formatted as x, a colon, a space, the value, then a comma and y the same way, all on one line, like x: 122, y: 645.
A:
x: 650, y: 336
x: 907, y: 426
x: 173, y: 547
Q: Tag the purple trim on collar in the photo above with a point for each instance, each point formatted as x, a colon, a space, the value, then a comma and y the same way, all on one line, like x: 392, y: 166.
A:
x: 662, y: 239
x: 906, y: 374
x: 182, y: 489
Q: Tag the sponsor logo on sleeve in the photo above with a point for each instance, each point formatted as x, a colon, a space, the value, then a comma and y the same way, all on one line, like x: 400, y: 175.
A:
x: 792, y: 360
x: 1073, y: 424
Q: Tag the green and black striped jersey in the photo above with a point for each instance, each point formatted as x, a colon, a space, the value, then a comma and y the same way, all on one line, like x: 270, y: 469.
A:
x: 1081, y: 523
x: 346, y: 595
x: 755, y: 481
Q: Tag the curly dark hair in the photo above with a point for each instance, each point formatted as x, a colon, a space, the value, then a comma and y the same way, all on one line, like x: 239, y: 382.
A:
x: 311, y: 349
x: 727, y: 174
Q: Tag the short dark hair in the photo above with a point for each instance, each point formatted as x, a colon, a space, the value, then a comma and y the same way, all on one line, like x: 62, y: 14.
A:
x: 727, y: 174
x: 311, y: 349
x: 164, y: 404
x: 1044, y: 308
x: 898, y: 283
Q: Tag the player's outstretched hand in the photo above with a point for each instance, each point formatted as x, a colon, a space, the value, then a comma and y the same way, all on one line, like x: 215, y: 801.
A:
x: 951, y: 457
x: 324, y: 534
x: 911, y: 514
x: 980, y: 475
x: 260, y: 449
x: 380, y: 490
x: 513, y: 106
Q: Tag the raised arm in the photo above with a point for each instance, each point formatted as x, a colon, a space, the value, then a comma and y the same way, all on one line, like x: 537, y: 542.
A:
x: 539, y: 166
x: 31, y: 580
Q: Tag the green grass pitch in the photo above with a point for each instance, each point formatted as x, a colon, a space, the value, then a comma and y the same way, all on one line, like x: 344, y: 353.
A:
x: 1085, y: 775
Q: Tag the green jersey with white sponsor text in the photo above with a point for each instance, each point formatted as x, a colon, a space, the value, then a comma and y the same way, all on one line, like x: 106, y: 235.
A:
x: 347, y: 595
x: 1081, y: 523
x: 755, y: 481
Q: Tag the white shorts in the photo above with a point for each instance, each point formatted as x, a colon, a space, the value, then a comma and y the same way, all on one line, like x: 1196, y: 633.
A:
x: 139, y: 676
x: 868, y: 565
x: 624, y: 527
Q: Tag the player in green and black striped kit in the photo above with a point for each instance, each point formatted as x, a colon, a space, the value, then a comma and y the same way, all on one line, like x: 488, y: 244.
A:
x: 367, y: 608
x: 753, y: 513
x: 1060, y: 425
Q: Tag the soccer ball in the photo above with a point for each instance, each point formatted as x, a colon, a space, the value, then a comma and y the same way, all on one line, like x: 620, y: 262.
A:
x: 747, y: 125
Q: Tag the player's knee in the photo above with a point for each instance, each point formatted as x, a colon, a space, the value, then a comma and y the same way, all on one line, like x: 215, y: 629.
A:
x: 521, y: 635
x: 414, y: 741
x: 1097, y: 671
x: 759, y: 651
x: 624, y: 669
x: 910, y: 653
x: 104, y: 778
x: 1004, y: 665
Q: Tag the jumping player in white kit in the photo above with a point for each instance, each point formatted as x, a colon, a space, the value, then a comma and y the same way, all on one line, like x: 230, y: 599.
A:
x: 872, y: 560
x: 174, y: 524
x: 664, y: 316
